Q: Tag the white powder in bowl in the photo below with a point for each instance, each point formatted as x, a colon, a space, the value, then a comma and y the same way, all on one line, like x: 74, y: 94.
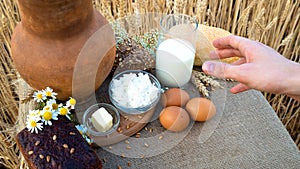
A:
x: 134, y: 90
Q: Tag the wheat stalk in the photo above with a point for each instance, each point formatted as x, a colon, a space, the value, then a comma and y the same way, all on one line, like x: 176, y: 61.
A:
x: 106, y: 9
x: 122, y: 8
x: 201, y: 6
x: 169, y: 5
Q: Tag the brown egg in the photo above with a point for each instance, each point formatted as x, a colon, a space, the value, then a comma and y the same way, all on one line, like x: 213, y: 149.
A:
x: 174, y: 118
x: 201, y: 109
x: 175, y: 97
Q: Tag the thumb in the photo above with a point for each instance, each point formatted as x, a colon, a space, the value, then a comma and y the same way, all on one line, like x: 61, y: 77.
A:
x: 219, y: 69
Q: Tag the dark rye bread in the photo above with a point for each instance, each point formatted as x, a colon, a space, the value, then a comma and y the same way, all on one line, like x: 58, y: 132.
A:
x: 58, y: 146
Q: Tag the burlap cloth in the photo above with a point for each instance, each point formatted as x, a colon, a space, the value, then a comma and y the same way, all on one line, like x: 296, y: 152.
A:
x: 248, y: 135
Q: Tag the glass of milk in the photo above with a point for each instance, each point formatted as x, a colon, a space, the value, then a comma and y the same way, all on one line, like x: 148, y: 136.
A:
x: 176, y: 50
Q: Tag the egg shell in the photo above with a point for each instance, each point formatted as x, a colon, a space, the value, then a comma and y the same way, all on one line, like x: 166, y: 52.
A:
x: 201, y: 109
x: 175, y: 97
x: 174, y: 118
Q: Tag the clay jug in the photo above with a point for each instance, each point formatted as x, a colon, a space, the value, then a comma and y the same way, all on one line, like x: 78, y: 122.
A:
x: 49, y: 39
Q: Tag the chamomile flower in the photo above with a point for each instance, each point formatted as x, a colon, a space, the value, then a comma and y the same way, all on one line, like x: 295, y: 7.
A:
x: 39, y: 96
x: 33, y: 125
x: 52, y: 103
x: 39, y: 112
x: 64, y: 111
x: 47, y: 116
x: 34, y: 114
x: 47, y: 108
x: 71, y: 103
x: 48, y: 92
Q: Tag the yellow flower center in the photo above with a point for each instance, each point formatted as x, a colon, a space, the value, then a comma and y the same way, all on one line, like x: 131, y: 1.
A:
x: 47, y: 108
x: 39, y: 96
x: 63, y: 111
x: 72, y: 101
x: 47, y: 115
x: 48, y: 93
x: 33, y: 123
x: 54, y: 106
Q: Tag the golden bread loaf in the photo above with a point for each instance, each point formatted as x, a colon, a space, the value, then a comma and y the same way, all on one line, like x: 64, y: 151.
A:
x: 206, y: 35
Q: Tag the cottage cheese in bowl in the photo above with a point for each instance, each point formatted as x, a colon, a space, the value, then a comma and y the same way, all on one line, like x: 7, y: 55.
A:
x: 134, y: 91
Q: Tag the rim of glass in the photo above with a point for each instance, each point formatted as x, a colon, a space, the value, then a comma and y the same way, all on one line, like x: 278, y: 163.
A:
x: 98, y: 105
x: 184, y: 15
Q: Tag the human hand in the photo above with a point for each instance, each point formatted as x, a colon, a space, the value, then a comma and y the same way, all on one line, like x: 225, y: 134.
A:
x: 259, y: 67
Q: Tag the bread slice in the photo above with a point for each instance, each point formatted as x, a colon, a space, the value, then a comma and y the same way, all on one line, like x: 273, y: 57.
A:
x: 57, y: 146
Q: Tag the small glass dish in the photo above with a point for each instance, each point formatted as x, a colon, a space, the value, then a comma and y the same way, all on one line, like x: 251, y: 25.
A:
x: 135, y: 110
x: 87, y: 119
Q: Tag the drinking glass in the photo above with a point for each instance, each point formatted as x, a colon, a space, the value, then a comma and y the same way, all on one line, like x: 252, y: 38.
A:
x: 176, y: 51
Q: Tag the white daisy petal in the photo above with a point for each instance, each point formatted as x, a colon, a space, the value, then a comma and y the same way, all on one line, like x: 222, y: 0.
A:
x: 33, y: 125
x: 71, y: 103
x: 47, y: 108
x: 64, y: 111
x: 34, y: 114
x: 53, y: 104
x: 48, y: 92
x: 47, y: 116
x: 39, y: 96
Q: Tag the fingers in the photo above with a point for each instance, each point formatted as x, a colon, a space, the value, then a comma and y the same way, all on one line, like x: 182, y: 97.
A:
x: 220, y: 69
x: 233, y: 42
x: 239, y: 88
x: 226, y: 71
x: 225, y: 53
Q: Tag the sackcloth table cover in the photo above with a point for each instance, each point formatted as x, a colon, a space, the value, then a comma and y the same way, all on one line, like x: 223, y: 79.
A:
x: 249, y: 135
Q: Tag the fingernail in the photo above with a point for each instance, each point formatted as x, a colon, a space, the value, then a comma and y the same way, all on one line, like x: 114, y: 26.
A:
x: 208, y: 67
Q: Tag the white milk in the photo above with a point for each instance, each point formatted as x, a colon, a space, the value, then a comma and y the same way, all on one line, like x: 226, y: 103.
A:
x: 174, y: 62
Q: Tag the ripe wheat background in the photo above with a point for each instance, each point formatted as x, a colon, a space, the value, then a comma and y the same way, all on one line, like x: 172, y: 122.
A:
x: 272, y: 22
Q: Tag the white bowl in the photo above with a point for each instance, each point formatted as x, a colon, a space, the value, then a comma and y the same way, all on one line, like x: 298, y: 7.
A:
x: 136, y: 110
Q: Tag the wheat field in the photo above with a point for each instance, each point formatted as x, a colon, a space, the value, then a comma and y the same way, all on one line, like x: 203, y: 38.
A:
x: 272, y: 22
